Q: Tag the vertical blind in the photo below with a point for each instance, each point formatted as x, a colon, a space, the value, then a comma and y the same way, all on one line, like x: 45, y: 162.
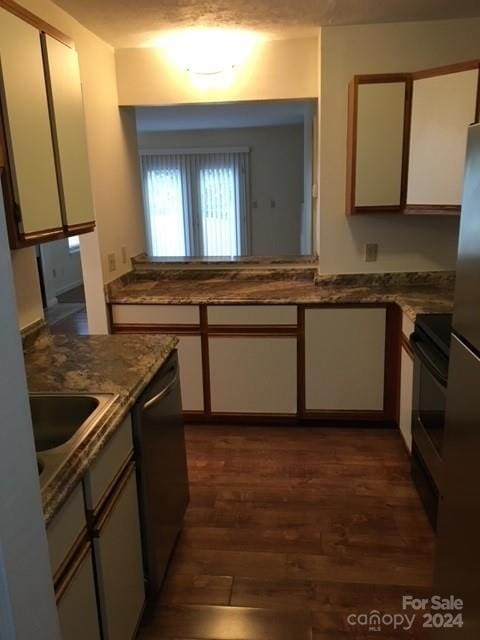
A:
x: 196, y: 202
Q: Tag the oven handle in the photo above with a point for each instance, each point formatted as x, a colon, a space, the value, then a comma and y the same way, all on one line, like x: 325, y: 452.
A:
x: 427, y: 357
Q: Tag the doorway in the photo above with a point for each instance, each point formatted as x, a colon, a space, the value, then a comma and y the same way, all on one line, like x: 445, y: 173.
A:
x: 61, y: 283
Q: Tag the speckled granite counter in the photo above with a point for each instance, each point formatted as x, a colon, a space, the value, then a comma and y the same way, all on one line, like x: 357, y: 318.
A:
x: 120, y: 365
x: 414, y: 293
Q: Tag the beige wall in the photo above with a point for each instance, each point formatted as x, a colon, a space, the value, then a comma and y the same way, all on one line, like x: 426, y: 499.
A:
x: 111, y: 139
x: 405, y: 244
x: 276, y: 172
x: 278, y: 69
x: 27, y: 287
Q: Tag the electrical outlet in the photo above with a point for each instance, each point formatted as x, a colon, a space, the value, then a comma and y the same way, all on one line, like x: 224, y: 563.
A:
x: 124, y: 255
x: 371, y: 252
x: 112, y: 262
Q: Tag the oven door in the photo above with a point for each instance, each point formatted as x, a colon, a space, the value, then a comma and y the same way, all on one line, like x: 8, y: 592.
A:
x: 429, y: 401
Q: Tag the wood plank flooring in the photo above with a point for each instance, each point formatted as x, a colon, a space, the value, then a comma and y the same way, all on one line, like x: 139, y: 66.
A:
x: 291, y: 529
x: 75, y: 324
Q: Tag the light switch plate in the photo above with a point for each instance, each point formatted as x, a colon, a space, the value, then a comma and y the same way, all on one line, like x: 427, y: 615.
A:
x: 371, y: 252
x: 112, y: 262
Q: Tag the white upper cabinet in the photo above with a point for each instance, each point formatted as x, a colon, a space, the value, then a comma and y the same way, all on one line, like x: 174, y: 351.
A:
x: 379, y: 144
x: 442, y: 108
x: 63, y: 80
x: 27, y: 122
x: 407, y: 136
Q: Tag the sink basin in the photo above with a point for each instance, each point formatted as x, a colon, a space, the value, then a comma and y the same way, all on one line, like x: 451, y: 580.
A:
x: 61, y: 421
x: 56, y: 419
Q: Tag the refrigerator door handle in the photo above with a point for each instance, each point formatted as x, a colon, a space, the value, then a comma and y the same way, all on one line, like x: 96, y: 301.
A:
x: 428, y: 359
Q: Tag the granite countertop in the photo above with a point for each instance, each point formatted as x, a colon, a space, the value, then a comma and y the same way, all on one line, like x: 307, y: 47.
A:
x: 415, y: 293
x: 121, y: 364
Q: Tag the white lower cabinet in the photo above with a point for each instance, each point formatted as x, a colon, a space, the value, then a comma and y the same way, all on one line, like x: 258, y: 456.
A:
x: 98, y: 570
x: 406, y: 394
x: 191, y: 374
x: 253, y: 374
x: 344, y: 358
x: 118, y: 559
x: 77, y: 601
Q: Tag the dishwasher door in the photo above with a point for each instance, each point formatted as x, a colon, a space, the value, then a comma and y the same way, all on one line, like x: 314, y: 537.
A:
x: 161, y: 471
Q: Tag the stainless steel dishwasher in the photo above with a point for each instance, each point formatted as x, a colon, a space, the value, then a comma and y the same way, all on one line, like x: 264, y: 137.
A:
x: 161, y: 471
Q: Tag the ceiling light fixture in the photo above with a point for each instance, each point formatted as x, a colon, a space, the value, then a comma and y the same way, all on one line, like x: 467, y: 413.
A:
x: 209, y: 52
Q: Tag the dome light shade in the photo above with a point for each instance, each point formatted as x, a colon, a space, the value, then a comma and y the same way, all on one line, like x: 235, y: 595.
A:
x: 208, y: 52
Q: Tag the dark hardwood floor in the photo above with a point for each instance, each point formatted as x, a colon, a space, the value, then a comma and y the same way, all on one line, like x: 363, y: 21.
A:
x: 75, y: 324
x: 76, y: 294
x: 289, y: 530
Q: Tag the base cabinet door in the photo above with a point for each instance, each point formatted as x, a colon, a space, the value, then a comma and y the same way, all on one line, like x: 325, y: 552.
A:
x: 191, y: 374
x: 406, y: 394
x: 344, y: 359
x: 77, y: 601
x: 253, y: 374
x: 118, y: 557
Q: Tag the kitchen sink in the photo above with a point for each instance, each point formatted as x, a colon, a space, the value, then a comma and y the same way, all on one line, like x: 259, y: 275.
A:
x: 60, y: 423
x: 57, y: 418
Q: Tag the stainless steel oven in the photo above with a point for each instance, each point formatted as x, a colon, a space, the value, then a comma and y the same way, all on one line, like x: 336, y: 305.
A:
x: 430, y: 342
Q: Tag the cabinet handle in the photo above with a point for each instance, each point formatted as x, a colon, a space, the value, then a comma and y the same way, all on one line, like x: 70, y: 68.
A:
x: 105, y: 514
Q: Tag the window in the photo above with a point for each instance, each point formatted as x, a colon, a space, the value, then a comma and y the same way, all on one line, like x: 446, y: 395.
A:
x: 73, y: 244
x: 196, y: 203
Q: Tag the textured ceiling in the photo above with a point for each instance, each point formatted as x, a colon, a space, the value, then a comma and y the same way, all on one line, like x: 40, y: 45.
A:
x: 132, y: 23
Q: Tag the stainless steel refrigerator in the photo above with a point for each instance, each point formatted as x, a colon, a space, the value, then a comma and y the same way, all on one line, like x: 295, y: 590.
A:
x: 457, y: 566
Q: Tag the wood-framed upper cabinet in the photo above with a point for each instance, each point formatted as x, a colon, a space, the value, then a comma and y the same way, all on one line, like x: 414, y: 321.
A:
x: 444, y: 104
x: 66, y: 102
x: 407, y: 138
x: 29, y: 176
x: 378, y: 133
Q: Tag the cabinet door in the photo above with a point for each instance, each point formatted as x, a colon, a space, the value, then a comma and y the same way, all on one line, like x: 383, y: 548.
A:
x: 378, y: 139
x: 77, y: 601
x: 27, y: 121
x: 191, y: 373
x: 406, y: 395
x: 69, y: 130
x: 118, y: 557
x: 442, y: 108
x: 253, y: 374
x: 344, y: 359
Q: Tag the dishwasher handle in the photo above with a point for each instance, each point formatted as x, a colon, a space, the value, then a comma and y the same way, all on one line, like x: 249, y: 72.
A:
x: 161, y: 394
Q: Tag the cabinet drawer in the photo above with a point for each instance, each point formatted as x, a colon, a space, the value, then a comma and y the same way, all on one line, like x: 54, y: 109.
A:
x: 170, y: 314
x: 77, y: 601
x: 253, y: 374
x: 252, y: 315
x: 107, y: 466
x: 65, y: 529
